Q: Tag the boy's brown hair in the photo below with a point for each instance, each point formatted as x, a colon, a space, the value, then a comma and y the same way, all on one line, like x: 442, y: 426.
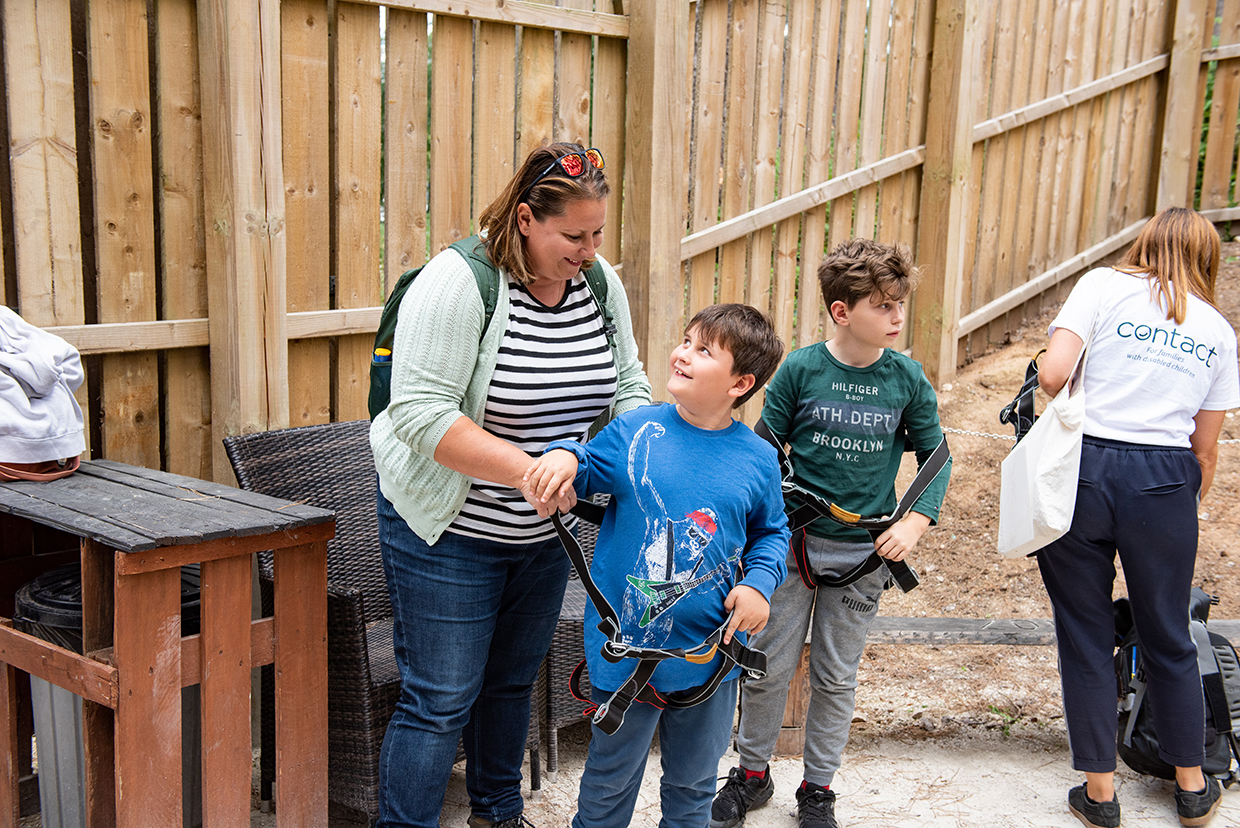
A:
x: 750, y: 337
x: 859, y: 268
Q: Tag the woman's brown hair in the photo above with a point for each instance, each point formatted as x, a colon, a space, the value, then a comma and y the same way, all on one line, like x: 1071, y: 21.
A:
x: 549, y: 196
x: 1178, y: 251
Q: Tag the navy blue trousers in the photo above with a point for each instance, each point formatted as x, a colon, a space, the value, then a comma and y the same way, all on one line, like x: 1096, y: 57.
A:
x: 1142, y: 502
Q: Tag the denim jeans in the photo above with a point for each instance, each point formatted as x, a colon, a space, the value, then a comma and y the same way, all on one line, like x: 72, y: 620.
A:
x: 473, y: 620
x: 691, y: 740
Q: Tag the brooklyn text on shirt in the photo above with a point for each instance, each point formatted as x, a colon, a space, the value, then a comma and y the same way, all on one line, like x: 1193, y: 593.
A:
x: 1145, y: 333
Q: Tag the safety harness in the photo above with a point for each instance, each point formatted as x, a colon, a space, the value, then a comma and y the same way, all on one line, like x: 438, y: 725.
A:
x: 1019, y: 412
x: 609, y: 715
x: 812, y: 507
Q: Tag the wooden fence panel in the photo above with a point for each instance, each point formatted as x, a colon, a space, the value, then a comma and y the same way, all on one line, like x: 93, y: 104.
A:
x: 183, y: 252
x: 1218, y: 166
x: 766, y: 142
x: 536, y: 119
x: 576, y: 58
x: 607, y: 131
x: 405, y: 129
x: 706, y: 149
x: 120, y: 110
x: 737, y: 166
x: 495, y: 110
x: 358, y: 128
x: 307, y: 199
x: 451, y: 134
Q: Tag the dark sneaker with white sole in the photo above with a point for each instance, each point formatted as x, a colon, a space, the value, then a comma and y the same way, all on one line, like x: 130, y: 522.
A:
x: 1198, y: 808
x: 815, y: 807
x: 739, y: 793
x: 1093, y: 814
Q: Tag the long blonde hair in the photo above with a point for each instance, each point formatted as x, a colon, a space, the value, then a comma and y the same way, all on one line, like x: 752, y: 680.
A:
x: 550, y: 196
x: 1178, y: 251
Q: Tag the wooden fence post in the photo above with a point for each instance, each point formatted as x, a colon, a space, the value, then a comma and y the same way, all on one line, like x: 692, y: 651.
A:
x: 243, y: 183
x: 946, y: 177
x: 1177, y: 163
x: 654, y: 200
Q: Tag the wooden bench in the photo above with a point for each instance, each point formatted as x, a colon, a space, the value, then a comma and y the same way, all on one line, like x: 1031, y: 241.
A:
x: 928, y: 630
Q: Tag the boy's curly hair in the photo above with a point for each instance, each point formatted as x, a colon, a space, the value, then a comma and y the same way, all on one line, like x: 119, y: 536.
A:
x: 750, y: 337
x: 859, y: 268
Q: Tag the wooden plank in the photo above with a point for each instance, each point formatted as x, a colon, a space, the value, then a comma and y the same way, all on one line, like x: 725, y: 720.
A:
x: 1178, y: 155
x: 357, y: 129
x: 943, y: 197
x: 1109, y: 140
x: 261, y: 644
x: 495, y: 107
x: 182, y: 252
x: 1147, y: 143
x: 706, y: 155
x: 301, y: 685
x: 948, y: 631
x: 870, y: 145
x: 847, y: 114
x: 530, y: 14
x: 76, y: 673
x: 982, y: 283
x: 575, y: 60
x: 120, y: 112
x: 895, y: 118
x: 791, y: 740
x: 10, y: 745
x: 43, y: 163
x: 225, y: 658
x: 148, y: 719
x: 1006, y: 263
x: 451, y: 135
x: 653, y: 210
x: 738, y: 147
x: 917, y: 110
x: 176, y: 556
x: 1022, y: 246
x: 305, y: 95
x: 1122, y: 187
x: 810, y: 312
x: 405, y: 143
x: 1056, y: 66
x: 1221, y: 139
x: 607, y: 131
x: 1078, y: 172
x: 98, y: 721
x: 68, y: 520
x: 536, y: 90
x: 243, y: 179
x: 770, y: 55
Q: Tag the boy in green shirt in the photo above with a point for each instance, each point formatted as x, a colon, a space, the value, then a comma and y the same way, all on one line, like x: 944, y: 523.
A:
x: 846, y: 408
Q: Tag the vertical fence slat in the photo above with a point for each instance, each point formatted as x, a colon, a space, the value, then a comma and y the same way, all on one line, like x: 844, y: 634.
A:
x: 1023, y: 253
x: 536, y: 120
x: 358, y: 127
x: 1077, y: 174
x: 607, y: 131
x: 576, y: 56
x: 919, y: 91
x: 1221, y: 140
x: 43, y: 162
x: 1178, y: 155
x: 183, y: 255
x: 949, y: 136
x: 766, y: 143
x: 1105, y: 134
x: 451, y: 134
x: 125, y: 219
x: 985, y: 272
x: 738, y: 152
x: 895, y: 119
x: 405, y: 128
x: 810, y: 317
x: 494, y: 112
x: 1121, y: 183
x: 1145, y: 151
x: 870, y: 145
x: 307, y: 199
x: 847, y: 113
x: 707, y: 151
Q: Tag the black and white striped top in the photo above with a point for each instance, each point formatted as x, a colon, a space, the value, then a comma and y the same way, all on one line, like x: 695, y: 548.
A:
x: 554, y: 375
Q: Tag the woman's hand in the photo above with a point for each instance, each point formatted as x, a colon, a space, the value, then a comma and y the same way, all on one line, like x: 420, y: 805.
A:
x: 902, y: 536
x: 749, y: 611
x: 549, y: 481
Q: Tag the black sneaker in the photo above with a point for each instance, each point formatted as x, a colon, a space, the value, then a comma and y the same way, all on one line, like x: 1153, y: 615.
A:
x: 1093, y: 814
x: 815, y: 807
x: 739, y: 793
x: 1198, y: 808
x: 518, y: 821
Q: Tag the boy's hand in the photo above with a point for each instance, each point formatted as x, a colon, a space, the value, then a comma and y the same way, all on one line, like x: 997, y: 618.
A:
x: 899, y: 539
x: 548, y: 482
x: 749, y: 611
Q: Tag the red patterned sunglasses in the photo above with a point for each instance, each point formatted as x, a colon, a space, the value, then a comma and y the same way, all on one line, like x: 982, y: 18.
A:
x: 572, y: 165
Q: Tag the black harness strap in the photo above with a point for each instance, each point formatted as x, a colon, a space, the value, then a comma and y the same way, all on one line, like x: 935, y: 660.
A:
x: 610, y: 714
x: 814, y: 507
x: 1019, y: 412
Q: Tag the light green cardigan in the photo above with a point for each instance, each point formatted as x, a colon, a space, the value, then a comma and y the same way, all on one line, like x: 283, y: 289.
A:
x: 440, y: 321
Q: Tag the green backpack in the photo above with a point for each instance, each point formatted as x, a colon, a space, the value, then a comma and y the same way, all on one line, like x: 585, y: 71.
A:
x: 487, y: 277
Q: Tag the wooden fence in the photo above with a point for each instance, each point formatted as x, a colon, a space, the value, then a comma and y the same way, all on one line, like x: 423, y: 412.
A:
x: 209, y: 198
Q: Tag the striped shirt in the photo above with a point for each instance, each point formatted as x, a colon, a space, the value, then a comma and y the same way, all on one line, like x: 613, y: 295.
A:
x: 553, y: 377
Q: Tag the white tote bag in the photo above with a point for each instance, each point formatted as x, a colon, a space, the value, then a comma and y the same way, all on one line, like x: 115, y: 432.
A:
x: 1037, y: 489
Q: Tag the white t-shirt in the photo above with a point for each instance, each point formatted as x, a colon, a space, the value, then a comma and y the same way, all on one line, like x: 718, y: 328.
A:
x: 1146, y: 376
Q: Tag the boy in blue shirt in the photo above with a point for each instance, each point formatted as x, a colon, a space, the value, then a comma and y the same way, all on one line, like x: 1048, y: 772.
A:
x: 694, y: 535
x: 846, y: 409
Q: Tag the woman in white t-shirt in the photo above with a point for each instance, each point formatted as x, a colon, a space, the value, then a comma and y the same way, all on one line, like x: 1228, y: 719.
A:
x: 1160, y: 376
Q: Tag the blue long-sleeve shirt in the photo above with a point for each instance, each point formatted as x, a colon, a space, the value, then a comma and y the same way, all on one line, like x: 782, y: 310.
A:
x: 693, y: 513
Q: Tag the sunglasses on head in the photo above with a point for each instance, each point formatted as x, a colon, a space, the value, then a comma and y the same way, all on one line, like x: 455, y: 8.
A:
x: 572, y: 165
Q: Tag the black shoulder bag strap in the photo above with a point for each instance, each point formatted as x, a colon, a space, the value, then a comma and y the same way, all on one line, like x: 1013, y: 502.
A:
x: 1019, y: 412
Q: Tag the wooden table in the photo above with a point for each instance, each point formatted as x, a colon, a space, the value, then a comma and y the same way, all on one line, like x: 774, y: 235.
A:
x: 137, y: 528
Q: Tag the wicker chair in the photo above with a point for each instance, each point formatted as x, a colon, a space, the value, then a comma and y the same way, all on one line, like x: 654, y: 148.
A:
x: 331, y: 466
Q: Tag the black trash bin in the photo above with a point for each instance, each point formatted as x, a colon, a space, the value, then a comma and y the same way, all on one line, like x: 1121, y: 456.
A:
x: 50, y: 607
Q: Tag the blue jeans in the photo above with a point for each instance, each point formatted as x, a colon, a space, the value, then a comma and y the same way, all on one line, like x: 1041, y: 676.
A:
x: 473, y: 622
x: 691, y: 741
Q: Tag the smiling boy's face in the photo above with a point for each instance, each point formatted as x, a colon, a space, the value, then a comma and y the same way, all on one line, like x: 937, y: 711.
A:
x: 701, y: 375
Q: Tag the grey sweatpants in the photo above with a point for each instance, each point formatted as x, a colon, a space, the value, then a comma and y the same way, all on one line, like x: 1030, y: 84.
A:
x: 841, y: 618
